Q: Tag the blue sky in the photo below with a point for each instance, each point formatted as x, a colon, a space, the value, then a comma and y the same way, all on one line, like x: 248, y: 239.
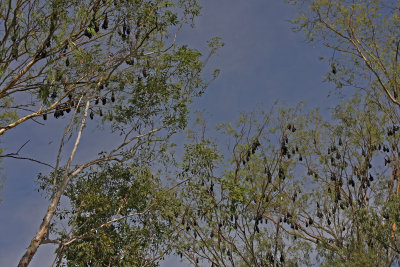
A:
x: 262, y: 61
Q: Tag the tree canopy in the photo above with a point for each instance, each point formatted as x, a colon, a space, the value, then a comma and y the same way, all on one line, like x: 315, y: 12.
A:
x: 115, y: 63
x: 291, y: 188
x: 298, y: 189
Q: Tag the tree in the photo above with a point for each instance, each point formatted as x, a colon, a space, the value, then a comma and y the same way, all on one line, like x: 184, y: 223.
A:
x: 364, y: 38
x: 365, y: 42
x: 293, y: 184
x: 115, y: 62
x: 116, y: 217
x: 233, y: 205
x: 326, y: 185
x: 350, y: 186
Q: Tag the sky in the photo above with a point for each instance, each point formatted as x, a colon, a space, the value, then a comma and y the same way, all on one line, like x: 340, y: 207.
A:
x: 263, y: 61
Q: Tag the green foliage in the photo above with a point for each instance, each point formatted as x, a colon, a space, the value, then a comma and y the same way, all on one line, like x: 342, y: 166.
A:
x: 118, y: 63
x: 129, y: 197
x: 361, y: 171
x: 232, y: 204
x: 364, y: 38
x: 114, y: 215
x: 82, y: 51
x: 291, y: 188
x: 293, y: 184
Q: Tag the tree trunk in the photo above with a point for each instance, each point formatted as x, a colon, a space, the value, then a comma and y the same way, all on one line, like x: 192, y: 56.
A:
x: 44, y: 226
x: 35, y: 243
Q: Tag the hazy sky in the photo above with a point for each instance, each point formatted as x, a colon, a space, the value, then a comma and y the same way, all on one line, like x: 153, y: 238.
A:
x: 262, y: 61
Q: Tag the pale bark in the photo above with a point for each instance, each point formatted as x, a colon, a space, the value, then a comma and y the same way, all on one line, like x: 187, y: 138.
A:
x: 35, y: 243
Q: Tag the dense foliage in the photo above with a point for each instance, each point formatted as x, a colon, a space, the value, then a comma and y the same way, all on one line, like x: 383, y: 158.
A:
x: 297, y: 189
x: 292, y: 188
x: 114, y: 64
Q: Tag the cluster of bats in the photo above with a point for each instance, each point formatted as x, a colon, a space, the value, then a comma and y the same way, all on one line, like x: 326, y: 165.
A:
x: 68, y: 105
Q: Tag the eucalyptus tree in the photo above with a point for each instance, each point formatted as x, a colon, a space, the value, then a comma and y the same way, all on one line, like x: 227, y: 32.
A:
x: 327, y: 187
x: 351, y: 186
x: 113, y: 62
x: 235, y: 199
x: 116, y: 216
x: 293, y: 188
x: 364, y: 39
